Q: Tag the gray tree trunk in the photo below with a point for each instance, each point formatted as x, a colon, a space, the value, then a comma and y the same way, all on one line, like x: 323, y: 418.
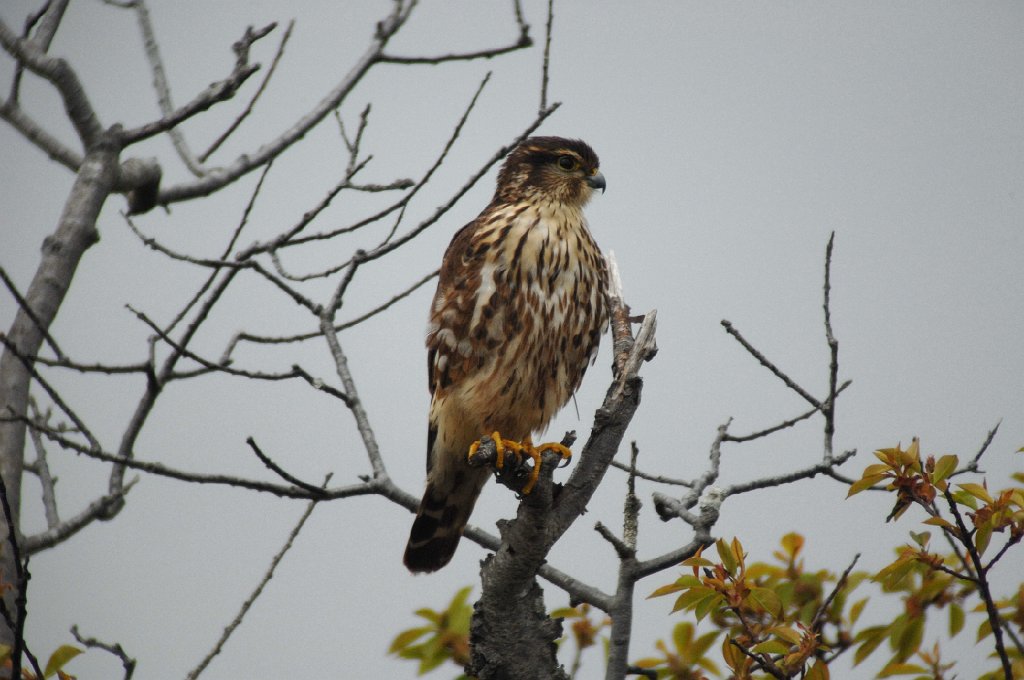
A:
x: 61, y: 253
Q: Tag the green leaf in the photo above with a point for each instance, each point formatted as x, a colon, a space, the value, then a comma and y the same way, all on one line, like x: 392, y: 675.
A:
x: 964, y: 498
x: 856, y: 609
x: 682, y: 583
x: 982, y: 537
x: 459, y: 600
x: 429, y: 615
x: 864, y: 483
x: 407, y: 637
x: 792, y: 543
x: 59, y: 658
x: 682, y: 635
x: 910, y: 638
x: 692, y: 597
x: 819, y: 671
x: 431, y: 662
x: 667, y: 589
x: 944, y: 467
x: 767, y: 600
x: 892, y: 574
x: 976, y: 490
x: 872, y: 637
x: 770, y: 647
x: 565, y: 613
x: 713, y: 601
x: 697, y: 562
x: 726, y: 555
x: 701, y: 645
x: 940, y: 522
x: 984, y: 630
x: 785, y: 633
x: 901, y: 669
x: 956, y: 619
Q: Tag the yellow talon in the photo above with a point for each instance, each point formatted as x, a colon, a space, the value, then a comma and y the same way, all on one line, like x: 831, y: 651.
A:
x: 499, y: 450
x: 525, y: 448
x: 557, y: 448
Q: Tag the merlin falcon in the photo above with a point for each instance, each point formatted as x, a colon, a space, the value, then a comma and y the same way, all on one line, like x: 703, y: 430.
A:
x: 520, y: 307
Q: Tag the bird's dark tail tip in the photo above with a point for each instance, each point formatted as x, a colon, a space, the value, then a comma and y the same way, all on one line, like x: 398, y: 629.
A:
x: 431, y: 542
x: 435, y: 533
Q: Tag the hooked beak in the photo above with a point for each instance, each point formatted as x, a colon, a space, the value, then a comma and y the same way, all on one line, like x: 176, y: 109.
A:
x: 596, y: 181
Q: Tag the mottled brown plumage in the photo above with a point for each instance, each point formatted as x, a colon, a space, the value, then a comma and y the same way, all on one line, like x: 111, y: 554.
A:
x: 520, y: 307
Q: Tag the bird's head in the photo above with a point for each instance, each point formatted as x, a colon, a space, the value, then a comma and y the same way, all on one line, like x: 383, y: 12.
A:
x: 550, y: 168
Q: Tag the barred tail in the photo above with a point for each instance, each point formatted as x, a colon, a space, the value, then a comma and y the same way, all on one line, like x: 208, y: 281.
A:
x: 439, y: 524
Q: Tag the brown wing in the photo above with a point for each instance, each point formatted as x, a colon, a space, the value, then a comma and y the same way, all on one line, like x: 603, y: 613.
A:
x: 452, y: 308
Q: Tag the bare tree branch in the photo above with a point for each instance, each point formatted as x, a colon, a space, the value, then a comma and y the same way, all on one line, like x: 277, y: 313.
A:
x: 75, y: 233
x: 547, y: 56
x: 47, y: 143
x: 27, y: 309
x: 44, y: 22
x: 247, y: 605
x: 116, y: 649
x: 731, y: 330
x: 284, y: 339
x: 41, y: 468
x: 524, y: 41
x: 214, y: 93
x: 62, y: 77
x: 214, y: 179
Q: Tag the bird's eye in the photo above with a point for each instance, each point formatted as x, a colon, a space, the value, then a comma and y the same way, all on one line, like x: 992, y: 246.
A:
x: 568, y: 163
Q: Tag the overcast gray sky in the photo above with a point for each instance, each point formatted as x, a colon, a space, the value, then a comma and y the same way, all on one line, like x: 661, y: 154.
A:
x: 734, y: 138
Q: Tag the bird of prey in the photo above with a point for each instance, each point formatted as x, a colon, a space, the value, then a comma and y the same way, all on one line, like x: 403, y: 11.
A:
x: 521, y: 303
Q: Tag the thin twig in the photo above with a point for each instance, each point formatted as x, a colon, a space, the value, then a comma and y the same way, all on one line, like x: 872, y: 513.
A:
x: 764, y: 664
x: 41, y: 468
x: 660, y: 479
x: 302, y: 337
x: 781, y: 426
x: 161, y: 85
x: 162, y: 470
x: 255, y: 97
x: 116, y: 649
x: 355, y: 406
x: 547, y: 55
x: 50, y: 391
x: 829, y: 407
x: 247, y: 605
x: 247, y: 162
x: 280, y: 472
x: 20, y: 584
x: 995, y: 621
x: 64, y: 79
x: 822, y: 612
x: 778, y: 480
x: 763, y: 360
x: 225, y: 252
x: 973, y: 465
x: 23, y: 305
x: 209, y: 365
x: 31, y: 21
x: 621, y: 549
x: 524, y: 41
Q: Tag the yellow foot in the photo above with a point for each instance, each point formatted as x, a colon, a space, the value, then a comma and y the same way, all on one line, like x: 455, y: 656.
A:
x: 536, y: 453
x: 527, y: 449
